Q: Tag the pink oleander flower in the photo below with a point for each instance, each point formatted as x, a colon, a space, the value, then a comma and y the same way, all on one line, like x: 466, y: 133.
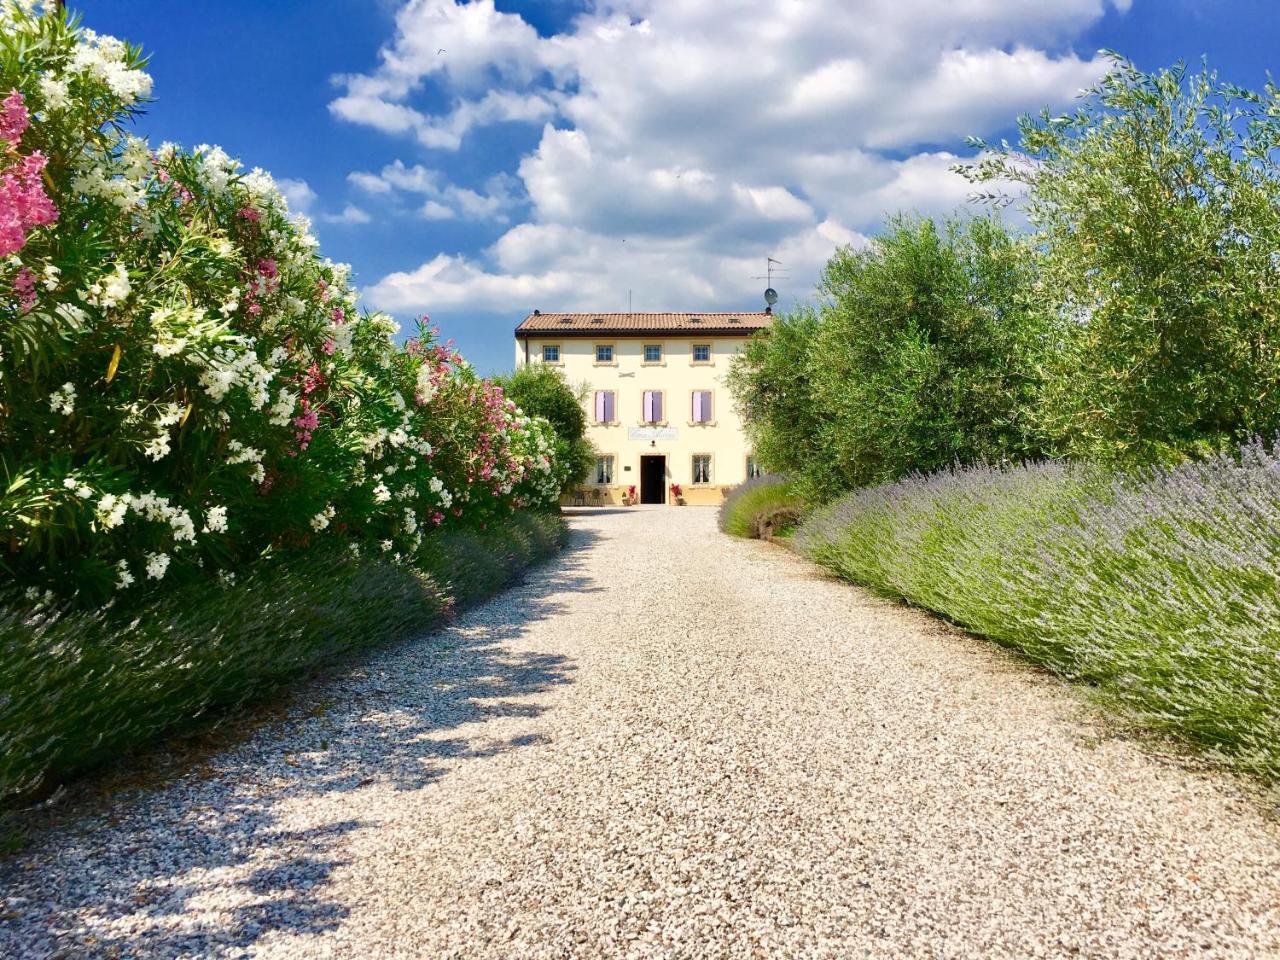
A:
x: 309, y: 419
x: 23, y: 203
x: 339, y: 316
x: 250, y: 214
x: 255, y: 309
x: 329, y: 347
x: 14, y: 119
x: 437, y: 518
x: 268, y: 268
x: 24, y: 285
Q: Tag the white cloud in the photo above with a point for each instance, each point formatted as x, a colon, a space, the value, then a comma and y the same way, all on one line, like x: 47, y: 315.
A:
x: 297, y: 193
x: 350, y: 214
x: 682, y: 142
x: 445, y: 200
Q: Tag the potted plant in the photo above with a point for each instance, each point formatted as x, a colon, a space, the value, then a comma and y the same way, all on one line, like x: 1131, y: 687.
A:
x: 677, y: 494
x: 629, y: 498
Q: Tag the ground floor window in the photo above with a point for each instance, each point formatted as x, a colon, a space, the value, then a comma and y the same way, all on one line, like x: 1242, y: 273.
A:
x: 702, y: 468
x: 604, y: 470
x: 753, y: 468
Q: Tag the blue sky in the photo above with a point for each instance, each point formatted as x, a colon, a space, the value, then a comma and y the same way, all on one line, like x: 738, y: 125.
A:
x: 560, y: 154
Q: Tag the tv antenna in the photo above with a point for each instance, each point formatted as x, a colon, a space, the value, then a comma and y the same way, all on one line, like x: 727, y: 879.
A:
x: 772, y: 267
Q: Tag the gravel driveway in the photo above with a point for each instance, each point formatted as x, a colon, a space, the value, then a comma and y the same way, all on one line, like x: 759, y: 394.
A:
x: 670, y: 744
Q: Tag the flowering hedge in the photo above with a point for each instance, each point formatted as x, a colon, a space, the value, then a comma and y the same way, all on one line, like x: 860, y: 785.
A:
x: 1162, y: 588
x: 185, y: 384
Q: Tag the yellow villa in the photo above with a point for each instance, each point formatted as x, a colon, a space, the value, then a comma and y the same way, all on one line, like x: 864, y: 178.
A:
x: 658, y: 408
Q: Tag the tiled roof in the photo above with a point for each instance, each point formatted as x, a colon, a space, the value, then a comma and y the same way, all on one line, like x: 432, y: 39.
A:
x: 586, y: 324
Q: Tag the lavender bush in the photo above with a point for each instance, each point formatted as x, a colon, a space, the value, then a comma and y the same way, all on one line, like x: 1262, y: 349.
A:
x: 770, y: 495
x: 1162, y: 588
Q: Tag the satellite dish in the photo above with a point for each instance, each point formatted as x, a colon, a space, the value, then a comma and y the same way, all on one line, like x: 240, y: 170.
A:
x: 771, y: 296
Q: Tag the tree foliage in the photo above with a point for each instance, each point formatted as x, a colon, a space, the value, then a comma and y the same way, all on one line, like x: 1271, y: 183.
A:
x: 542, y: 391
x: 924, y: 351
x: 1157, y: 206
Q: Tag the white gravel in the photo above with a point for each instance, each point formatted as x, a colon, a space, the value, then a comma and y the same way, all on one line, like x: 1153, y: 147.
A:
x: 670, y: 744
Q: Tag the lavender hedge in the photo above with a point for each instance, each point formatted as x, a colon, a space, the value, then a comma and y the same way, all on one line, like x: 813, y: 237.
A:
x: 1162, y: 588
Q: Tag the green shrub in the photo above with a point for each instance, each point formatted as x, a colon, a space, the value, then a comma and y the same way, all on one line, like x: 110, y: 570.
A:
x: 185, y: 384
x: 762, y: 500
x: 80, y: 687
x: 542, y: 391
x: 1157, y: 206
x: 1161, y: 588
x: 924, y: 351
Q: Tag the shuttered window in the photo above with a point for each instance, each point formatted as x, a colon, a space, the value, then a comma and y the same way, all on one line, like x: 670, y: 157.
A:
x: 606, y: 408
x: 702, y: 406
x: 652, y: 406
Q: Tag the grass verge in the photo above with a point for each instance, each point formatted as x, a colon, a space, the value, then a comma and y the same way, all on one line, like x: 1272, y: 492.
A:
x: 79, y: 689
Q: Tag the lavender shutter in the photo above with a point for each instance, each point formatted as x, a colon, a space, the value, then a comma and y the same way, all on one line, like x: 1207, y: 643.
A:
x: 657, y: 407
x: 648, y: 406
x: 608, y: 407
x: 697, y: 406
x: 600, y: 417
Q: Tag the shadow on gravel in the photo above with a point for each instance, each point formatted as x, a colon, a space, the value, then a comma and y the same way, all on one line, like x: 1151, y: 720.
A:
x: 146, y: 876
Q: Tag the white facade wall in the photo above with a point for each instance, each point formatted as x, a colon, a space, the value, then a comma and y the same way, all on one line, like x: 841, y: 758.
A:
x: 676, y: 437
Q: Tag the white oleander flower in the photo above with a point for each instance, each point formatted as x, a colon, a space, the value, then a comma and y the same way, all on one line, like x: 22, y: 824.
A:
x: 54, y: 92
x: 63, y: 400
x: 157, y: 564
x: 321, y: 519
x: 215, y: 520
x: 111, y: 511
x: 123, y: 577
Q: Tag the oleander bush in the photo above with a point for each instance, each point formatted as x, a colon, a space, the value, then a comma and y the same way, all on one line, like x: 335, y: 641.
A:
x: 185, y: 384
x: 765, y: 506
x: 215, y: 473
x: 1160, y: 587
x: 81, y: 687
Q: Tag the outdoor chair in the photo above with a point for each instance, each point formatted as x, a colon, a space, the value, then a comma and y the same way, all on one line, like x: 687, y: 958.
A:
x: 579, y: 497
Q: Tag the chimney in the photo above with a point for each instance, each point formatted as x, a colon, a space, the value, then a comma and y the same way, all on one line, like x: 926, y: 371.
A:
x: 768, y: 311
x: 537, y: 312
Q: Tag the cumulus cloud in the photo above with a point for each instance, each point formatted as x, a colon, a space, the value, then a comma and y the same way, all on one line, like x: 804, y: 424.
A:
x: 445, y: 200
x: 682, y: 142
x: 350, y: 214
x: 297, y: 193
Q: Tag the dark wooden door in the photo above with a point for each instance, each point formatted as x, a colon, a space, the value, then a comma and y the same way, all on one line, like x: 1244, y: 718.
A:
x: 653, y: 479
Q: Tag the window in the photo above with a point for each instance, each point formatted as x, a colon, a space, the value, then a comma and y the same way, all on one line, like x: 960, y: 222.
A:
x: 606, y: 406
x: 702, y: 353
x: 550, y: 353
x: 702, y: 406
x: 653, y: 353
x: 702, y: 468
x: 604, y: 470
x: 604, y: 353
x: 653, y: 406
x: 753, y: 468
